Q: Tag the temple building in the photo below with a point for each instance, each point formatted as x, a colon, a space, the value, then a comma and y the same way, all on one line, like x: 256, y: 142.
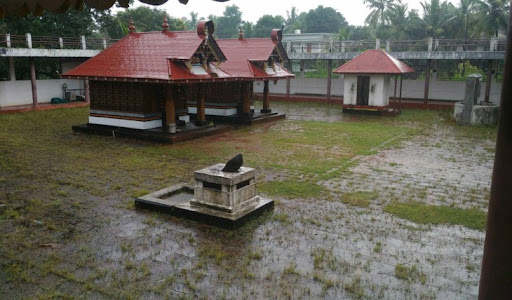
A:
x: 159, y: 80
x: 367, y: 80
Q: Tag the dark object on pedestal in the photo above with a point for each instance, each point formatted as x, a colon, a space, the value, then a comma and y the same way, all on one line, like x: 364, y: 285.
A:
x: 234, y: 164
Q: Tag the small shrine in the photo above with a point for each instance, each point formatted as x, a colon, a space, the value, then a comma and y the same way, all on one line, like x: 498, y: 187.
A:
x: 367, y: 80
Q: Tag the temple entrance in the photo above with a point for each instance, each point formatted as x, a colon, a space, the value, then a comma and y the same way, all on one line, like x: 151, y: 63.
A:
x: 363, y: 90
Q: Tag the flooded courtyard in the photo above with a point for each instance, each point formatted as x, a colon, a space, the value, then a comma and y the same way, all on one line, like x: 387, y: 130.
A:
x: 366, y: 207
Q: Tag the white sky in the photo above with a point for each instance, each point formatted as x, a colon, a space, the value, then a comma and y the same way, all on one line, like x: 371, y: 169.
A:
x: 354, y: 11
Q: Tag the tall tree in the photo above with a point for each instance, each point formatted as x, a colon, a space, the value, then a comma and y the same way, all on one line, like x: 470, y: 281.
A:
x: 464, y: 15
x: 265, y: 25
x: 193, y: 20
x: 359, y: 33
x: 247, y: 28
x: 323, y: 19
x: 71, y: 23
x: 398, y: 17
x: 291, y: 20
x: 437, y: 17
x: 378, y: 15
x: 493, y: 15
x: 227, y: 26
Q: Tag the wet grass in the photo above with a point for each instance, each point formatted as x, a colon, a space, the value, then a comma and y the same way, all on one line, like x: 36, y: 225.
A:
x: 359, y: 198
x: 65, y: 198
x: 410, y: 273
x: 432, y: 214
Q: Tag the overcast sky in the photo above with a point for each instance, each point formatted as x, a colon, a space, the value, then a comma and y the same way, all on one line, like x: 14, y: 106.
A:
x: 354, y: 11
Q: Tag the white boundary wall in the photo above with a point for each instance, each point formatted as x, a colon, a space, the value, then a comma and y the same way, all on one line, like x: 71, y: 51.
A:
x: 19, y: 92
x: 413, y: 89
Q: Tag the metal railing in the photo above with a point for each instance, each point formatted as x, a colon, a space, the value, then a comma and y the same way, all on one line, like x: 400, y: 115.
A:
x: 54, y: 42
x: 428, y: 44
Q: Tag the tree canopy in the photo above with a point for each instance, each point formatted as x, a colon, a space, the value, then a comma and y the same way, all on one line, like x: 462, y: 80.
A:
x: 388, y: 19
x: 323, y: 19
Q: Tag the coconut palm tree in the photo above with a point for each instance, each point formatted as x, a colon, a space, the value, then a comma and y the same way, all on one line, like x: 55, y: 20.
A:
x: 493, y: 15
x: 398, y: 17
x: 378, y: 15
x: 464, y: 14
x: 437, y: 17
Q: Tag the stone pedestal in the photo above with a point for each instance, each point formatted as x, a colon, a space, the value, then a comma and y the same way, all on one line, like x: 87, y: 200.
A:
x: 481, y: 114
x: 471, y: 113
x: 223, y: 191
x: 219, y: 198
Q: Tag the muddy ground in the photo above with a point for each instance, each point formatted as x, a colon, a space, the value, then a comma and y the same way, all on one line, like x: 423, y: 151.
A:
x: 98, y: 245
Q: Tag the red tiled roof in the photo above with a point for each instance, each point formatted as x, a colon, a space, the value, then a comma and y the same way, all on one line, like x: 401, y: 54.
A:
x: 141, y: 56
x: 240, y: 55
x: 374, y: 62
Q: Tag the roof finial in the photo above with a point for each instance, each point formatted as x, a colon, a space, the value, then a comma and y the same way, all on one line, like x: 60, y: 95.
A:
x: 240, y: 33
x: 165, y: 26
x: 131, y: 27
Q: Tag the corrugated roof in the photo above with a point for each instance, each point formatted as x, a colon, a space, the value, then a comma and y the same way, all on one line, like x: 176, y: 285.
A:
x: 374, y: 62
x: 241, y: 55
x: 141, y: 56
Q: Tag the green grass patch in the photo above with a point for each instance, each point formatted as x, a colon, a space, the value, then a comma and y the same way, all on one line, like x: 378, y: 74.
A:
x: 292, y: 189
x: 432, y: 214
x: 359, y: 198
x: 411, y: 273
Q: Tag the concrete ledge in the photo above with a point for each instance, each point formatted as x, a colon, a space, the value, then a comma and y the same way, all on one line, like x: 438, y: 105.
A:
x: 257, y: 118
x: 180, y: 207
x: 407, y: 103
x: 189, y: 132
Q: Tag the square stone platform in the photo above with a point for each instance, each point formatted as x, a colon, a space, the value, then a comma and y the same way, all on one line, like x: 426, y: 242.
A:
x: 218, y: 198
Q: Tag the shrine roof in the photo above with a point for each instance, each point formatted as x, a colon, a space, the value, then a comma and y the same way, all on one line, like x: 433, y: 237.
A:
x: 143, y: 56
x: 374, y: 62
x: 243, y: 56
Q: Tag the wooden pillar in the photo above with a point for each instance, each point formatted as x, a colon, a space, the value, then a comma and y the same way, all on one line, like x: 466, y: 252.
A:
x: 170, y: 110
x: 201, y: 99
x: 33, y: 82
x: 86, y: 91
x: 394, y: 95
x: 329, y: 78
x: 400, y: 97
x: 266, y: 104
x: 489, y: 80
x: 301, y: 65
x: 288, y: 83
x: 246, y: 101
x: 12, y: 71
x: 496, y: 274
x: 427, y: 84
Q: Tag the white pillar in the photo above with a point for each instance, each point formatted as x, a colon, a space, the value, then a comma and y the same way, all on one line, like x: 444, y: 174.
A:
x: 494, y: 43
x: 388, y: 46
x: 104, y: 44
x: 8, y: 40
x: 377, y: 43
x: 430, y: 41
x: 61, y: 43
x: 83, y: 42
x: 29, y: 40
